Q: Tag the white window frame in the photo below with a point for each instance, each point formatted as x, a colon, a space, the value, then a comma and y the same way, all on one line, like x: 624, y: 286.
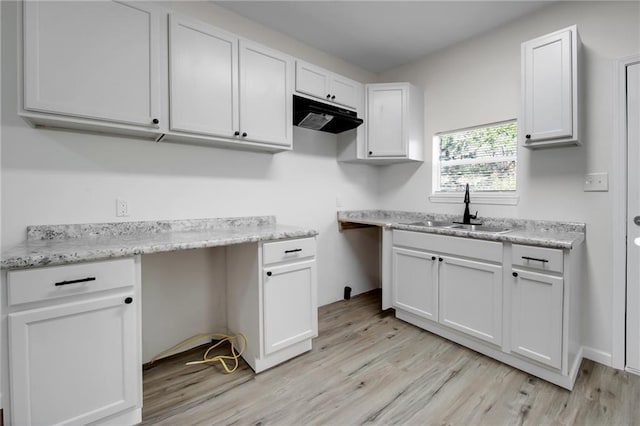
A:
x: 509, y: 198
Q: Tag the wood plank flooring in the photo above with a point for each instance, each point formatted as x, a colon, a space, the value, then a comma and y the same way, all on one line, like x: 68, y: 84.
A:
x: 367, y: 367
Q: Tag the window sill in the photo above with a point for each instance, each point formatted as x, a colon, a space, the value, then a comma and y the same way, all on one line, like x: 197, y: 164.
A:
x: 476, y: 198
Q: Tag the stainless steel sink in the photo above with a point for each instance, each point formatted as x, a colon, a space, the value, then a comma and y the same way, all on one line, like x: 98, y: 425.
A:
x: 428, y: 223
x: 480, y: 228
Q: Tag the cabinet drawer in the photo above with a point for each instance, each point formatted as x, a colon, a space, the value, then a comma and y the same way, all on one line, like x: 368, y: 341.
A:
x: 282, y: 251
x: 544, y: 259
x: 32, y: 285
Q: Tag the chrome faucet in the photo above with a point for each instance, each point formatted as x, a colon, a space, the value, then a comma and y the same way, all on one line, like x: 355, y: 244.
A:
x: 466, y: 218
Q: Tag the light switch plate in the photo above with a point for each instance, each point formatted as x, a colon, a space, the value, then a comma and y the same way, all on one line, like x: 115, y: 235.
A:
x: 596, y: 182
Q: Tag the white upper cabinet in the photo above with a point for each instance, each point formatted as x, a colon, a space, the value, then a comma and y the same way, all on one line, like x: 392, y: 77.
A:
x: 224, y: 87
x: 550, y: 89
x: 92, y: 60
x: 394, y: 122
x: 325, y: 85
x: 203, y: 78
x: 266, y: 95
x: 106, y: 66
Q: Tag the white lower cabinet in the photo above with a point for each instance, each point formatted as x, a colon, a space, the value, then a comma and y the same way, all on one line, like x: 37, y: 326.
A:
x: 73, y: 363
x: 415, y: 278
x: 289, y: 305
x: 536, y: 319
x: 525, y: 314
x: 537, y: 287
x: 272, y: 299
x: 457, y: 292
x: 471, y: 298
x: 76, y: 359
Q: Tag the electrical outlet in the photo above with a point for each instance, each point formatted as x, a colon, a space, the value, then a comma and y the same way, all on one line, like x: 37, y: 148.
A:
x: 122, y: 208
x: 596, y: 182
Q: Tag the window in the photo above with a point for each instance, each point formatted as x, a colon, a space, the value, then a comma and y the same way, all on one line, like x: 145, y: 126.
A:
x: 484, y: 157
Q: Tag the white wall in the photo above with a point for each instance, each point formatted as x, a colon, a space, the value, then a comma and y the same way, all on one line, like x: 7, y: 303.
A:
x: 53, y: 177
x: 478, y: 81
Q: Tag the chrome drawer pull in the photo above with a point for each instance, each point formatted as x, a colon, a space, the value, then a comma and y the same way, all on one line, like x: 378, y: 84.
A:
x: 533, y: 258
x: 81, y: 280
x: 292, y: 251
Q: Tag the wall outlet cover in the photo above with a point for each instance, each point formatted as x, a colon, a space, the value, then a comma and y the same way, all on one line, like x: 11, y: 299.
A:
x: 122, y: 208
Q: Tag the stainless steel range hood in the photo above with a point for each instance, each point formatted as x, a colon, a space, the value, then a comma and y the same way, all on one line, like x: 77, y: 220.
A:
x: 316, y: 115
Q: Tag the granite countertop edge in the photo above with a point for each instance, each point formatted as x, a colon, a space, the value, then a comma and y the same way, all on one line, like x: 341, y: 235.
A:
x: 559, y: 235
x: 40, y: 252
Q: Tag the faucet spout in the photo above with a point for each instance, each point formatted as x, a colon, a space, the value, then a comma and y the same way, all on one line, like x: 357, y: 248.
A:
x: 467, y: 216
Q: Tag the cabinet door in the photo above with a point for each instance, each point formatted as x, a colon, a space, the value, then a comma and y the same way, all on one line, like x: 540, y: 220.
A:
x: 536, y: 313
x: 344, y: 91
x: 95, y: 60
x: 548, y: 82
x: 266, y: 95
x: 312, y: 81
x: 386, y: 121
x: 471, y: 298
x: 74, y: 363
x: 203, y: 77
x: 415, y: 282
x: 290, y: 311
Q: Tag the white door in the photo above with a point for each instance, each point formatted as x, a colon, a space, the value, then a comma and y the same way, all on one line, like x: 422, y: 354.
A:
x: 536, y: 317
x: 289, y: 305
x: 386, y: 121
x: 548, y: 108
x: 95, y: 59
x: 266, y: 95
x: 73, y: 363
x: 471, y: 298
x: 203, y: 79
x: 633, y: 217
x: 415, y: 282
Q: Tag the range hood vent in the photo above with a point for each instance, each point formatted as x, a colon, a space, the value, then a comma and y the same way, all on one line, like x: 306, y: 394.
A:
x: 316, y: 115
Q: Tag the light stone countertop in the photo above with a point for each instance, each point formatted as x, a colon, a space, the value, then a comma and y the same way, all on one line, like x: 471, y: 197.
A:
x: 561, y: 235
x: 63, y: 244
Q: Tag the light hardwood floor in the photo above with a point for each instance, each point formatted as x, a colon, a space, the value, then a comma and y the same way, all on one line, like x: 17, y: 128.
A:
x: 367, y: 367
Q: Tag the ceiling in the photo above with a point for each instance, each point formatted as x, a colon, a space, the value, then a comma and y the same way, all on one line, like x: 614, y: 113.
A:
x: 380, y: 35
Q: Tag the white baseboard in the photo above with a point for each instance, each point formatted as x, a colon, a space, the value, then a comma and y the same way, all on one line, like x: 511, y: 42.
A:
x: 632, y: 370
x: 597, y: 355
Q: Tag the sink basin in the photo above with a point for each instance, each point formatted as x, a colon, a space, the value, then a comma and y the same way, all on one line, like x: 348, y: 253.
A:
x: 428, y: 223
x: 480, y: 228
